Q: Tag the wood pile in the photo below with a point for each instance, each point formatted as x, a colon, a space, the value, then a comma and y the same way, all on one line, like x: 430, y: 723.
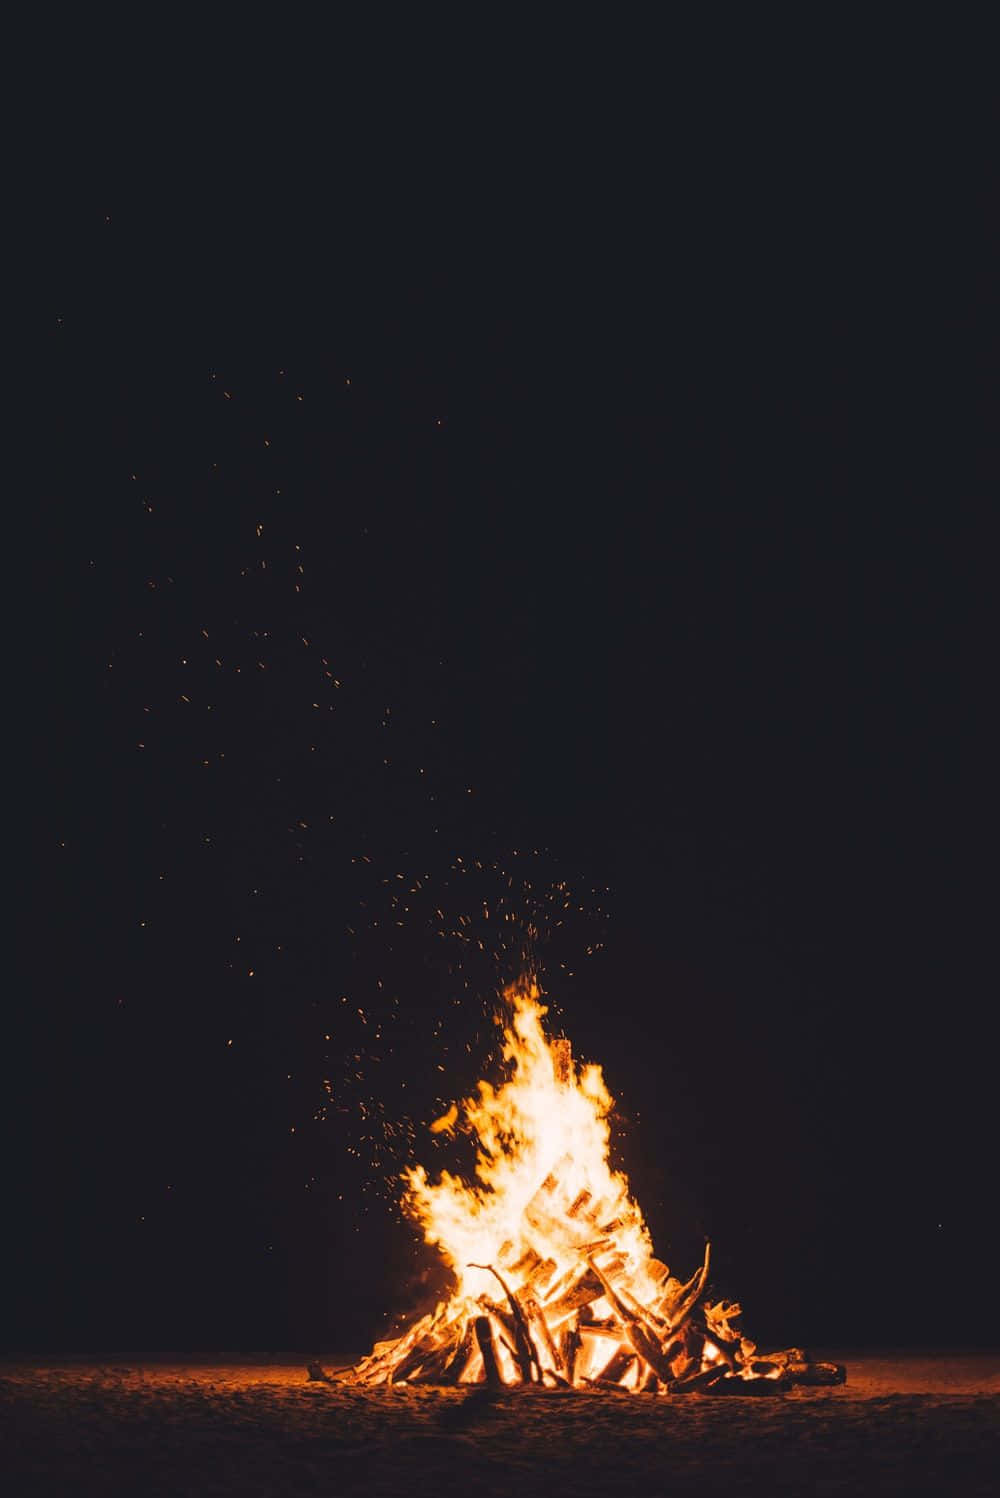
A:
x: 568, y: 1309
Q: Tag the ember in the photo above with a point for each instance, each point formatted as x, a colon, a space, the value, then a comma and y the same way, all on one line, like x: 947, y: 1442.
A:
x: 556, y: 1282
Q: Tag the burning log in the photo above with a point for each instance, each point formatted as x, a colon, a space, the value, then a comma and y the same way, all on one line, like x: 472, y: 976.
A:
x: 456, y: 1364
x: 424, y: 1350
x: 718, y: 1346
x: 572, y: 1342
x: 613, y: 1264
x: 669, y: 1345
x: 788, y: 1355
x: 616, y: 1367
x: 583, y: 1288
x: 484, y: 1338
x: 540, y: 1329
x: 526, y: 1264
x: 725, y: 1352
x: 679, y: 1309
x: 540, y: 1276
x: 627, y: 1309
x: 650, y: 1351
x: 431, y: 1371
x: 375, y: 1369
x: 563, y: 1234
x: 641, y: 1336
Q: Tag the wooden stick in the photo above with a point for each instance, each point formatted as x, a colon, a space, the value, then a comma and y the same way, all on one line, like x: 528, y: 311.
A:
x: 540, y: 1326
x: 690, y: 1294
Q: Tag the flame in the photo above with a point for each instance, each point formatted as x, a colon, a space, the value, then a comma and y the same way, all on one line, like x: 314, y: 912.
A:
x: 446, y: 1123
x: 548, y: 1118
x: 555, y: 1279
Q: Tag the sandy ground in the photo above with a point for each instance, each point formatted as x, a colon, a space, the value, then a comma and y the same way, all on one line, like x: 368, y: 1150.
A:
x: 903, y: 1424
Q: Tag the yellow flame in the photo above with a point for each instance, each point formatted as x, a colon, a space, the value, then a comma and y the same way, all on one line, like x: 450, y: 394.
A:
x: 446, y: 1123
x: 541, y: 1142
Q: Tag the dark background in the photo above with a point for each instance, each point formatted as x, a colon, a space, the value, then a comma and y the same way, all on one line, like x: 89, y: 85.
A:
x: 642, y: 512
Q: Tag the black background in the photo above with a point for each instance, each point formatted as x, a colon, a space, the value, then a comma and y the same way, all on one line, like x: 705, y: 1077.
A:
x: 647, y: 490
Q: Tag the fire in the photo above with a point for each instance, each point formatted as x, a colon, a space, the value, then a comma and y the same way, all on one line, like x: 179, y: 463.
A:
x: 555, y: 1279
x: 546, y: 1117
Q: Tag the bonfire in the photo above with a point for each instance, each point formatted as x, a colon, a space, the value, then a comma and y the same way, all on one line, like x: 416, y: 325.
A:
x: 556, y: 1284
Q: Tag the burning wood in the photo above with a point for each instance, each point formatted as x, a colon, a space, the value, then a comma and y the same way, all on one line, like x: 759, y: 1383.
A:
x: 583, y: 1303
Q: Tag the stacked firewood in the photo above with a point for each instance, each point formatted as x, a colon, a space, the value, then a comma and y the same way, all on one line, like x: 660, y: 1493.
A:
x: 570, y: 1310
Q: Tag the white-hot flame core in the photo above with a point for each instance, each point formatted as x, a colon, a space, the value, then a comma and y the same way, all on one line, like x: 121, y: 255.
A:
x: 547, y: 1122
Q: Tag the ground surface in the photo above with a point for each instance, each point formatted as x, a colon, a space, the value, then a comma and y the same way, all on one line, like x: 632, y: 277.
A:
x: 903, y: 1424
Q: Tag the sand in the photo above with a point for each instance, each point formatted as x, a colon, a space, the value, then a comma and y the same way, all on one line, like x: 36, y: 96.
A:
x: 903, y: 1424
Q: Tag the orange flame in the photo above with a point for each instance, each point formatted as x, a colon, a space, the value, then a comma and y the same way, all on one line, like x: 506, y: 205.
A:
x: 548, y: 1118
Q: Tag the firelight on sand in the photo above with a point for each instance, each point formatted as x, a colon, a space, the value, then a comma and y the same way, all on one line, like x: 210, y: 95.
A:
x: 556, y: 1283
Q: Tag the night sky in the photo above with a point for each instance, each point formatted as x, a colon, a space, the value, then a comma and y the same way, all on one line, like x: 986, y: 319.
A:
x: 595, y: 579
